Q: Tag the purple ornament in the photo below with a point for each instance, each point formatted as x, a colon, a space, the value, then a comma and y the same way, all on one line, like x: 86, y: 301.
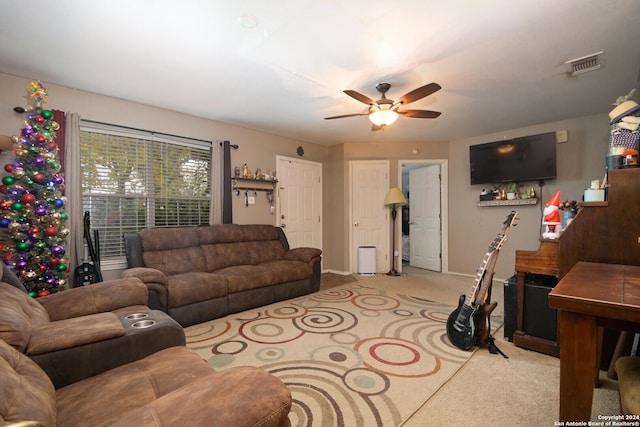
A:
x: 27, y: 131
x: 40, y: 211
x: 39, y: 162
x: 21, y: 264
x: 58, y: 180
x: 57, y: 250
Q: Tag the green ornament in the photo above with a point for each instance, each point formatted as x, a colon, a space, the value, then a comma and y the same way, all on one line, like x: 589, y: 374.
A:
x: 62, y: 267
x: 64, y: 216
x: 33, y: 294
x: 8, y: 180
x: 22, y: 246
x: 47, y: 114
x: 17, y: 206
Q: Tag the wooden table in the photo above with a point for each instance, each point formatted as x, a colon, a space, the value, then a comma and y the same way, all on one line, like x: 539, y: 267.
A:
x: 590, y: 296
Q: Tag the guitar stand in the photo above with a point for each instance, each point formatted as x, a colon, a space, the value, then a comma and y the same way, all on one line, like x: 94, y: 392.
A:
x: 490, y: 341
x: 493, y: 348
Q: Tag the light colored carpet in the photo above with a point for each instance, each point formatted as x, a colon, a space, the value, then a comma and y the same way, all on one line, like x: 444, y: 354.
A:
x: 352, y: 355
x: 488, y: 389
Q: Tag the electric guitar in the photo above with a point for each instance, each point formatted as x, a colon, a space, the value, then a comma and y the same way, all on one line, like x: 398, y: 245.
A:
x: 470, y: 318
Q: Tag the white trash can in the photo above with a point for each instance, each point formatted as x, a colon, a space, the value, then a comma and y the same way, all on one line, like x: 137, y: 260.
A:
x: 367, y: 260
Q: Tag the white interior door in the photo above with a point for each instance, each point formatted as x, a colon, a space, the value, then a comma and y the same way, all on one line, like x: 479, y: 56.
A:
x: 300, y: 201
x: 424, y: 218
x: 369, y: 217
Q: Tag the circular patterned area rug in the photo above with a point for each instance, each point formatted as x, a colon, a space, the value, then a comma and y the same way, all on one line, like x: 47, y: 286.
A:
x: 351, y: 356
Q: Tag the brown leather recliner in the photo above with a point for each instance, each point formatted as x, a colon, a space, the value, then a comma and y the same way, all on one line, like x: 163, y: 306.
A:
x: 172, y: 387
x: 84, y: 331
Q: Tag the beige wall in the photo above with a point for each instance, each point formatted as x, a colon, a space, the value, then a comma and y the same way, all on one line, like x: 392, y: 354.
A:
x: 339, y: 159
x: 472, y: 228
x: 257, y: 149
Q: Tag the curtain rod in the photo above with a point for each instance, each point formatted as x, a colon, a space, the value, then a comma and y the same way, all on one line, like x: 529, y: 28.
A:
x: 145, y: 130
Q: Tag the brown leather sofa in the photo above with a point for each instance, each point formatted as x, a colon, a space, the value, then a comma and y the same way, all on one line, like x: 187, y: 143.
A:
x: 628, y: 370
x: 201, y: 273
x: 173, y: 387
x: 81, y: 332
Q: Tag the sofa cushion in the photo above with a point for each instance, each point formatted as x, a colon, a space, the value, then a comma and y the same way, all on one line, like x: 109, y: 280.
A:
x: 242, y: 397
x: 26, y: 393
x: 247, y: 277
x: 222, y: 255
x: 288, y: 271
x: 105, y: 398
x: 226, y: 233
x: 19, y: 313
x: 172, y: 250
x: 74, y: 332
x: 303, y: 254
x: 188, y: 288
x: 97, y: 298
x: 628, y: 370
x: 225, y: 245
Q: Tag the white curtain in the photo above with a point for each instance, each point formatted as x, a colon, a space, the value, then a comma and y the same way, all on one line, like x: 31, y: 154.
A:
x: 73, y: 191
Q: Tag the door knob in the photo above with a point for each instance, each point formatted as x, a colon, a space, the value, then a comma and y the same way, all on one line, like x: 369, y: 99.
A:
x: 355, y: 224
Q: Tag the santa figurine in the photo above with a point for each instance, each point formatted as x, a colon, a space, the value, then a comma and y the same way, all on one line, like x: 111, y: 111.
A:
x: 551, y: 217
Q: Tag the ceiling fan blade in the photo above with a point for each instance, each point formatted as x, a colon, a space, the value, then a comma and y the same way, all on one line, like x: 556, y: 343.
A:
x: 346, y: 115
x: 375, y: 127
x: 420, y: 114
x: 360, y: 97
x: 420, y: 93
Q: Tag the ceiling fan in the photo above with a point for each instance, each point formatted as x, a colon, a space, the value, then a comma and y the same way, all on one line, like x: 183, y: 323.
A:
x: 385, y: 111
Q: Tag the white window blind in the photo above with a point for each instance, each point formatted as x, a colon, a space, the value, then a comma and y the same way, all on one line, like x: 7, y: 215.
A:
x: 135, y: 179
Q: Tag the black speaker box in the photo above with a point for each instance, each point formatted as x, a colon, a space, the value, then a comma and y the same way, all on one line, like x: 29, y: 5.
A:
x: 510, y: 307
x: 539, y: 319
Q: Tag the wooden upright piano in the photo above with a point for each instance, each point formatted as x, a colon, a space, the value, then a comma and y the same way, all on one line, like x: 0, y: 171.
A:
x: 607, y: 232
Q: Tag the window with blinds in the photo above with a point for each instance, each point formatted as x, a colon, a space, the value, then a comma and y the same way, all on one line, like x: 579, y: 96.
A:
x: 134, y: 179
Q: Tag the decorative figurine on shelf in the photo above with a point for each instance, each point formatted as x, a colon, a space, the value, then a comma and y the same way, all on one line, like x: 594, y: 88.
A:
x: 551, y: 217
x: 245, y: 171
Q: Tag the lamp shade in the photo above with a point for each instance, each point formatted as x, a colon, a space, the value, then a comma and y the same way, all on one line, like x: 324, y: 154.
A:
x: 383, y: 117
x: 395, y: 197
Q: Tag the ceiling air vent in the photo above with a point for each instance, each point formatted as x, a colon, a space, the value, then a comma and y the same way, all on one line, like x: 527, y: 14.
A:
x: 584, y: 64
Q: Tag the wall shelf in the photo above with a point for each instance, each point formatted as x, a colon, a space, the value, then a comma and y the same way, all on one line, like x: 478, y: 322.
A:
x: 253, y: 184
x: 516, y: 202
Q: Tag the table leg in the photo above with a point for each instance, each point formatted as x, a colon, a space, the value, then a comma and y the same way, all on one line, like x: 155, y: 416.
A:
x: 578, y: 358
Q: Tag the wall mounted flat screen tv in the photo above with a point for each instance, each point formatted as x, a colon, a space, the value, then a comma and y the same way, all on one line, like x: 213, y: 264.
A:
x: 530, y: 158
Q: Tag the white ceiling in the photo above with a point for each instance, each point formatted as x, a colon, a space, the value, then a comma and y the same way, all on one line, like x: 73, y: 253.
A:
x: 280, y: 66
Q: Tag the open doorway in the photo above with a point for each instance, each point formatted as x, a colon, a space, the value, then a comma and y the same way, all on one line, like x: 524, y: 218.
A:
x: 424, y: 218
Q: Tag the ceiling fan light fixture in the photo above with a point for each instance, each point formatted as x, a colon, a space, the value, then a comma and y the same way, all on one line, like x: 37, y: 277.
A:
x: 383, y: 117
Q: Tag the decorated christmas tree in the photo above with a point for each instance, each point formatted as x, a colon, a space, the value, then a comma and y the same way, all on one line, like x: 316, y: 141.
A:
x: 32, y: 212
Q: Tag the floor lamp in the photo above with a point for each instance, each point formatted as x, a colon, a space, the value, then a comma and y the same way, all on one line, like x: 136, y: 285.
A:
x: 394, y: 199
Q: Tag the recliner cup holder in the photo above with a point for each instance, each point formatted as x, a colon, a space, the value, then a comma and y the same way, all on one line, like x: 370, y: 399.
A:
x: 136, y: 316
x: 143, y: 323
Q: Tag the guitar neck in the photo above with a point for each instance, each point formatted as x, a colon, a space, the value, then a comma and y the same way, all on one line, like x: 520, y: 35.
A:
x: 471, y: 295
x: 480, y: 286
x: 486, y: 280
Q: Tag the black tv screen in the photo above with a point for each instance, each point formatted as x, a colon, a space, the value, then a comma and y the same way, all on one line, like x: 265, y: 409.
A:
x: 529, y: 158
